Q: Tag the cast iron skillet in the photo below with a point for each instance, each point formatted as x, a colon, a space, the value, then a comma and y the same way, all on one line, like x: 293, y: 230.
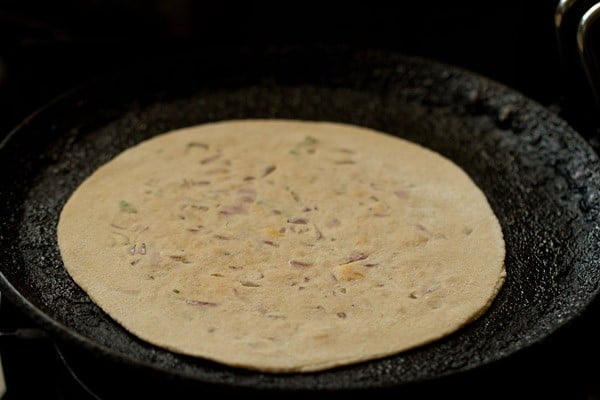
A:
x: 540, y: 177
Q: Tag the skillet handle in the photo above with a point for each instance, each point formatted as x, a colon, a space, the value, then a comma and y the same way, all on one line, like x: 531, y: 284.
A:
x: 574, y: 22
x: 588, y: 47
x: 25, y: 333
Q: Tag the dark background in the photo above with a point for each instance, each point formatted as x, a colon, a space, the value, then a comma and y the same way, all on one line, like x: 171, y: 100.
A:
x: 48, y: 47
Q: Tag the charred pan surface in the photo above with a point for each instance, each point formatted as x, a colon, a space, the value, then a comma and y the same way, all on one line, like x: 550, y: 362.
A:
x: 541, y: 179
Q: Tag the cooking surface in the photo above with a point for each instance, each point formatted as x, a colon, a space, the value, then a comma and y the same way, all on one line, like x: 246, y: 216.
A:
x: 36, y: 72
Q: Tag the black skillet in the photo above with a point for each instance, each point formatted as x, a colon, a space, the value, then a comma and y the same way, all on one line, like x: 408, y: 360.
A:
x: 540, y: 177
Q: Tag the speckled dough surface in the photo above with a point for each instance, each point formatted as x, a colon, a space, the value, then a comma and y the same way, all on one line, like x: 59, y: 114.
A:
x: 281, y: 245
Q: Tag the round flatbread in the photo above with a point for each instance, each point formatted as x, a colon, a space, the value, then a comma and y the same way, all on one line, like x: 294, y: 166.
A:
x: 280, y: 245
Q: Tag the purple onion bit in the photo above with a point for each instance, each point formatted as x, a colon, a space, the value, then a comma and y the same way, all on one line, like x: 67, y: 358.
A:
x: 247, y: 195
x: 369, y: 265
x: 356, y: 257
x: 300, y: 264
x: 200, y: 303
x: 401, y: 194
x: 232, y: 210
x: 296, y: 220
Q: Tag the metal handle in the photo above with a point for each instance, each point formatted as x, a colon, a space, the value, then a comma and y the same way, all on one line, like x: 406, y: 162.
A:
x: 588, y: 52
x: 573, y: 21
x: 25, y: 333
x: 563, y: 8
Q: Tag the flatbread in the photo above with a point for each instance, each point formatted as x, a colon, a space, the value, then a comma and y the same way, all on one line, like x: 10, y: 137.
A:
x: 281, y: 245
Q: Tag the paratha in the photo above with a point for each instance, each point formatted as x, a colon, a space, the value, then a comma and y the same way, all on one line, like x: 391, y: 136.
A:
x: 283, y: 245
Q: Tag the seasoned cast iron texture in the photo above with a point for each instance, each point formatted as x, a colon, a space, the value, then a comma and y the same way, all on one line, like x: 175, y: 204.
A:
x: 540, y: 177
